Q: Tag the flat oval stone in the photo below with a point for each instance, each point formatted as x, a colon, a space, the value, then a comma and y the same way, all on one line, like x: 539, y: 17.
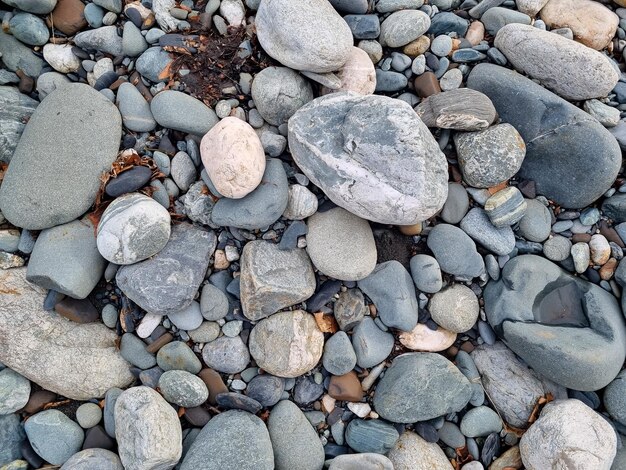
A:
x: 183, y: 389
x: 29, y: 29
x: 135, y: 110
x: 181, y: 112
x: 237, y: 401
x: 54, y: 436
x: 133, y: 227
x: 570, y: 69
x: 375, y: 435
x: 336, y: 140
x: 287, y: 344
x: 39, y: 191
x: 312, y: 35
x: 129, y: 181
x: 422, y: 338
x: 402, y: 27
x: 462, y: 109
x: 233, y: 157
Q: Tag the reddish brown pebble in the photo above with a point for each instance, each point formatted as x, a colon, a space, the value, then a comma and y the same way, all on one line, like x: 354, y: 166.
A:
x: 607, y: 271
x: 197, y: 416
x: 214, y: 383
x: 159, y: 343
x: 345, y: 387
x: 38, y: 399
x: 415, y: 229
x: 426, y: 85
x: 581, y: 237
x: 68, y: 17
x: 610, y: 233
x: 79, y: 311
x: 467, y: 346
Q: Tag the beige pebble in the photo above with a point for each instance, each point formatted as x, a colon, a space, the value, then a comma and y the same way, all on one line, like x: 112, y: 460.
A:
x: 220, y: 260
x: 422, y: 338
x: 600, y: 249
x: 475, y: 33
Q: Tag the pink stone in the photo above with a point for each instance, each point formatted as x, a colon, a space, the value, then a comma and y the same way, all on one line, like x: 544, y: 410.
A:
x: 358, y: 74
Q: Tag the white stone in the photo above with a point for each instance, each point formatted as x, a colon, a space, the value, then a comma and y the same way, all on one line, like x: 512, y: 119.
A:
x: 61, y: 58
x: 360, y: 409
x: 302, y: 203
x: 422, y: 338
x: 357, y: 74
x: 233, y: 11
x: 148, y: 324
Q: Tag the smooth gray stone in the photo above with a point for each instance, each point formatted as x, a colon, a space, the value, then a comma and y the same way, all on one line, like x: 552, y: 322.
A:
x: 39, y: 191
x: 426, y: 274
x: 228, y: 355
x: 15, y: 109
x: 17, y: 56
x: 615, y: 398
x: 133, y: 349
x: 183, y: 388
x: 66, y: 259
x: 233, y: 439
x: 266, y: 389
x: 278, y: 92
x: 168, y: 282
x: 402, y: 27
x: 536, y: 223
x: 457, y: 204
x: 420, y: 386
x: 446, y: 22
x: 94, y: 15
x: 104, y: 39
x: 133, y: 42
x: 92, y: 459
x: 54, y: 436
x: 108, y: 412
x: 480, y: 421
x: 39, y: 7
x: 483, y: 6
x: 11, y: 438
x: 360, y: 462
x: 14, y: 391
x: 259, y: 209
x: 339, y: 357
x: 390, y: 81
x: 363, y: 26
x: 467, y: 367
x: 213, y: 303
x: 391, y: 289
x: 295, y: 442
x: 29, y: 29
x: 461, y: 109
x: 178, y: 356
x: 451, y: 435
x: 181, y: 112
x: 455, y: 251
x: 134, y: 108
x: 153, y: 64
x: 499, y: 240
x: 48, y: 82
x: 312, y: 35
x: 371, y: 344
x: 337, y: 140
x: 111, y: 5
x: 350, y: 6
x: 560, y: 139
x: 376, y: 436
x: 496, y: 18
x: 582, y: 349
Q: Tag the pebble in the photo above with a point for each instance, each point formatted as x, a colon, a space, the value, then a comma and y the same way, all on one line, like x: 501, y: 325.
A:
x: 225, y: 354
x: 29, y: 29
x: 134, y: 351
x: 402, y: 27
x: 455, y: 251
x: 339, y: 357
x: 455, y: 308
x: 371, y: 436
x: 600, y: 250
x: 88, y: 415
x: 450, y: 435
x: 14, y: 391
x: 456, y: 205
x: 349, y: 309
x: 606, y: 115
x: 496, y: 18
x: 506, y: 207
x: 153, y: 65
x: 371, y: 344
x: 499, y: 240
x: 441, y: 45
x: 266, y: 389
x: 422, y: 338
x: 53, y: 436
x: 480, y: 421
x: 278, y: 92
x: 302, y: 203
x: 213, y: 303
x: 557, y: 248
x: 581, y: 255
x: 188, y: 318
x: 426, y: 273
x: 178, y: 111
x: 365, y: 461
x: 535, y: 224
x: 178, y: 356
x: 411, y: 451
x: 183, y: 389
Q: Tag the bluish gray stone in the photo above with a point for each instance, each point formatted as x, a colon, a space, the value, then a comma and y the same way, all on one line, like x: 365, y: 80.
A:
x: 188, y: 318
x: 66, y: 259
x: 111, y: 5
x: 17, y: 56
x: 390, y: 81
x: 499, y: 240
x: 153, y: 64
x: 14, y: 391
x: 39, y: 192
x: 15, y: 109
x: 29, y: 29
x: 178, y: 356
x: 451, y: 435
x: 11, y: 437
x: 560, y: 138
x: 391, y: 289
x: 295, y: 442
x: 536, y: 223
x: 39, y: 7
x: 183, y: 170
x: 213, y: 303
x: 581, y: 349
x: 259, y: 209
x: 134, y: 351
x: 480, y: 421
x: 183, y: 388
x: 467, y: 367
x: 233, y: 439
x: 94, y: 15
x: 54, y: 436
x: 350, y: 6
x: 266, y: 389
x: 90, y: 459
x: 88, y: 415
x: 496, y: 18
x: 363, y: 26
x: 108, y: 412
x: 339, y: 357
x: 615, y: 398
x: 181, y: 112
x: 455, y: 251
x: 371, y: 344
x: 104, y: 39
x: 420, y: 386
x: 447, y: 22
x: 134, y: 108
x: 426, y: 274
x: 168, y: 282
x: 375, y: 435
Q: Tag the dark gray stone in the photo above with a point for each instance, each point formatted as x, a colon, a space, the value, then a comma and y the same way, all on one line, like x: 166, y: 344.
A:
x: 563, y: 326
x: 349, y: 309
x: 374, y: 435
x: 570, y: 156
x: 421, y: 386
x: 363, y: 26
x: 446, y: 22
x: 390, y: 81
x: 266, y: 389
x: 168, y: 282
x: 614, y: 207
x: 11, y: 437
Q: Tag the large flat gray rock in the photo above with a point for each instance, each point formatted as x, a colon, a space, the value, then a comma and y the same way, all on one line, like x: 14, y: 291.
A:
x: 339, y: 141
x: 79, y: 361
x: 54, y: 175
x: 15, y: 110
x: 168, y: 282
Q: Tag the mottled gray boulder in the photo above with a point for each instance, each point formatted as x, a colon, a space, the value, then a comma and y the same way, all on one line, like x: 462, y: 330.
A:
x: 391, y: 289
x: 168, y: 282
x: 337, y: 141
x: 272, y: 279
x: 570, y: 69
x: 91, y: 459
x: 79, y: 361
x: 564, y: 327
x: 568, y: 434
x: 259, y: 209
x: 304, y: 36
x: 50, y: 181
x: 455, y: 251
x: 147, y: 430
x: 295, y: 442
x: 461, y: 109
x: 278, y: 92
x: 233, y: 439
x: 421, y: 386
x: 65, y: 258
x: 15, y: 110
x: 571, y: 157
x: 489, y: 157
x: 511, y: 385
x: 104, y: 39
x: 17, y: 56
x: 11, y: 437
